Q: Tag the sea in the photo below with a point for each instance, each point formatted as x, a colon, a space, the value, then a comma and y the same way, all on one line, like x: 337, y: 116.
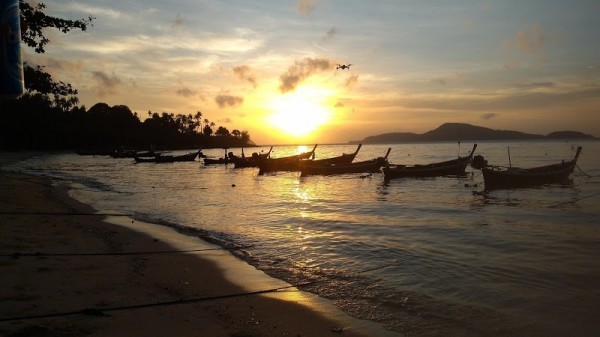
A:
x: 424, y: 257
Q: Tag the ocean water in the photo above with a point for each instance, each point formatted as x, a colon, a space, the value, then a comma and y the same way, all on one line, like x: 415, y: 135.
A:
x: 426, y: 257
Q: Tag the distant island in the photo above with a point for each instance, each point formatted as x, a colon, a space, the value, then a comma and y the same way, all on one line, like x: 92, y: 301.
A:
x: 466, y: 132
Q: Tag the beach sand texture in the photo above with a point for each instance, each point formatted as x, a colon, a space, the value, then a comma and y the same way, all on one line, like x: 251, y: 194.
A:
x: 113, y: 293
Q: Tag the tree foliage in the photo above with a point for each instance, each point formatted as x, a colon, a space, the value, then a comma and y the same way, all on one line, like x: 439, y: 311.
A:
x: 37, y: 80
x: 33, y: 23
x: 34, y: 20
x: 47, y: 117
x: 33, y: 123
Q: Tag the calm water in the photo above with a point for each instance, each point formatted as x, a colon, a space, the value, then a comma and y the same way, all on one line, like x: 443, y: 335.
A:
x: 428, y: 257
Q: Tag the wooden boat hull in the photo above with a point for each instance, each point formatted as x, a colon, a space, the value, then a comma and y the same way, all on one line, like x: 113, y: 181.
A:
x: 219, y: 161
x: 345, y: 158
x: 291, y: 163
x: 423, y: 171
x: 252, y: 161
x: 454, y: 167
x: 497, y: 178
x: 245, y: 162
x: 367, y: 166
x: 169, y: 159
x: 349, y: 168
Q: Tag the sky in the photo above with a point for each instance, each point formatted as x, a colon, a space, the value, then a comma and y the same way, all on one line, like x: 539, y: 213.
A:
x: 269, y: 66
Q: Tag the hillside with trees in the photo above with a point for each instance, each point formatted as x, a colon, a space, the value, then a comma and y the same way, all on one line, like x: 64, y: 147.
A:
x: 466, y: 132
x: 32, y: 123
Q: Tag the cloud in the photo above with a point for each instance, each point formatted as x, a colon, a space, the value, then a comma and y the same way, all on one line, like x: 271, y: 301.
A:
x: 351, y: 81
x: 489, y: 115
x: 306, y: 6
x: 245, y: 74
x: 74, y: 67
x: 106, y: 84
x: 178, y: 21
x: 330, y: 34
x: 439, y: 80
x: 531, y: 40
x: 519, y: 100
x: 225, y: 100
x: 511, y: 65
x: 302, y: 70
x: 235, y: 41
x: 339, y: 105
x: 96, y: 11
x: 537, y: 85
x: 185, y: 92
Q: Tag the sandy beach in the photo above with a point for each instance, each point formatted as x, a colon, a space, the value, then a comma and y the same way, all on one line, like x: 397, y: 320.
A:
x: 65, y: 271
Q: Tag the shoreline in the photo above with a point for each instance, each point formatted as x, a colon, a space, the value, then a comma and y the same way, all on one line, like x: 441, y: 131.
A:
x: 176, y: 293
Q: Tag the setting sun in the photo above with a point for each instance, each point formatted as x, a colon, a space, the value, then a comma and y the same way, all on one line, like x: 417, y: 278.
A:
x: 300, y: 113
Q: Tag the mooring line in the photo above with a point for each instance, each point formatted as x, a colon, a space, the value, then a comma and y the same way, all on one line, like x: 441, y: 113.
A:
x: 39, y: 254
x: 65, y: 213
x: 101, y: 311
x: 575, y: 200
x: 583, y: 172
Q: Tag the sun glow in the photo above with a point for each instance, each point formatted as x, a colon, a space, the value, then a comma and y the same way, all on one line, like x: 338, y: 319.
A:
x: 301, y: 112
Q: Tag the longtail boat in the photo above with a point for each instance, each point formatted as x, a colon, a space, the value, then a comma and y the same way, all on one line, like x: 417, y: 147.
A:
x: 345, y: 158
x: 496, y: 177
x: 252, y: 161
x: 289, y: 163
x: 219, y: 161
x: 454, y: 167
x: 367, y: 166
x: 170, y: 159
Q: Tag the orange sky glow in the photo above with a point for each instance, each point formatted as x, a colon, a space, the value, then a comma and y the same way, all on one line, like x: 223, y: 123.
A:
x: 270, y: 67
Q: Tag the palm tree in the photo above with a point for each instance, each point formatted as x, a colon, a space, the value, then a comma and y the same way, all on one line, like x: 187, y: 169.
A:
x: 198, y: 119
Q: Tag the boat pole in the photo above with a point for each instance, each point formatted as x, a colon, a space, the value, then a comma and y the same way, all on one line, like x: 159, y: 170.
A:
x: 509, y: 162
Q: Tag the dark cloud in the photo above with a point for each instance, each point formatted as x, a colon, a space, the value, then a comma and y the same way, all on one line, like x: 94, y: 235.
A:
x: 330, y: 34
x: 306, y: 6
x: 106, y: 84
x: 351, y: 81
x: 178, y: 21
x: 228, y: 100
x: 536, y: 85
x: 439, y: 80
x: 489, y: 115
x: 63, y: 65
x: 302, y: 70
x: 244, y: 73
x: 185, y: 92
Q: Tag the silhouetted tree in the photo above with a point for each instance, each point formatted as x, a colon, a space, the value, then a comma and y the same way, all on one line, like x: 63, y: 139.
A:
x: 46, y: 116
x: 198, y: 119
x: 222, y: 131
x: 245, y: 135
x: 207, y: 130
x: 34, y: 21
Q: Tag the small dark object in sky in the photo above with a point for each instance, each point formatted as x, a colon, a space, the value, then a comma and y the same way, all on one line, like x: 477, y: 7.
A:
x: 343, y: 66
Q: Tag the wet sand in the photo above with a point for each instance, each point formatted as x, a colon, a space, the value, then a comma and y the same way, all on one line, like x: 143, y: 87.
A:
x: 66, y: 271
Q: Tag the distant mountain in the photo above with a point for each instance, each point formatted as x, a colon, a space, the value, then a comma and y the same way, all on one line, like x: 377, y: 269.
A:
x: 568, y: 135
x: 466, y: 132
